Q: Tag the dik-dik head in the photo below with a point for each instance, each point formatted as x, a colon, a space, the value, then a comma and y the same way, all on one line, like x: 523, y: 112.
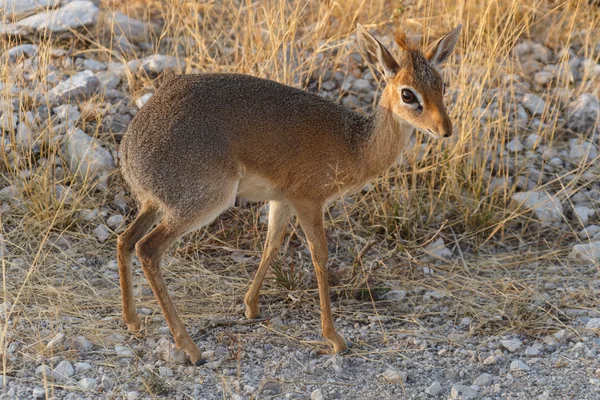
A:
x: 415, y: 89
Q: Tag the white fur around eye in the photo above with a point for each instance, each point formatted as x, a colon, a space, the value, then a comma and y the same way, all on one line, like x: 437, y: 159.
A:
x: 418, y: 103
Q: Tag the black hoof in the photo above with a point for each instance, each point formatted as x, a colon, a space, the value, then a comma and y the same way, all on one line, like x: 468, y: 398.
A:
x: 200, y: 362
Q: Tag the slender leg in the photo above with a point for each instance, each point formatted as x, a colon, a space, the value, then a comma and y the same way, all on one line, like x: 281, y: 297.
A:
x: 310, y: 217
x: 126, y: 242
x: 150, y: 251
x: 279, y: 214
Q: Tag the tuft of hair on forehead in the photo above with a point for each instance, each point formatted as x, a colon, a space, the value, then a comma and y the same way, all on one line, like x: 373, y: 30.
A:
x: 403, y: 42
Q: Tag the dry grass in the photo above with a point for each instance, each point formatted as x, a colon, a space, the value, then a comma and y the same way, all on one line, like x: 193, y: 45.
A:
x: 55, y: 272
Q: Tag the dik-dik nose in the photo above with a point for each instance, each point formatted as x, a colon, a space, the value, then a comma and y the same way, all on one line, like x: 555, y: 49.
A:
x: 445, y: 128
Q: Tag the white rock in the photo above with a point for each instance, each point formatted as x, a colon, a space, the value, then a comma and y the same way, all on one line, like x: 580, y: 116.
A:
x: 532, y: 140
x: 491, y: 360
x: 518, y: 365
x: 115, y: 221
x: 63, y: 371
x: 142, y: 100
x: 88, y: 215
x: 74, y: 15
x: 532, y: 351
x: 583, y: 152
x: 584, y: 213
x: 87, y: 383
x: 396, y: 295
x: 586, y: 252
x: 66, y: 112
x: 15, y: 9
x: 78, y: 87
x: 361, y: 86
x: 39, y: 393
x: 82, y: 367
x: 101, y: 233
x: 82, y: 344
x: 511, y: 345
x: 157, y: 64
x: 316, y: 395
x: 593, y: 323
x: 584, y: 113
x: 130, y: 28
x: 123, y: 351
x: 94, y: 65
x: 165, y: 371
x: 169, y: 353
x: 25, y: 139
x: 462, y: 392
x: 434, y: 389
x: 22, y: 50
x: 85, y: 155
x: 393, y: 376
x: 515, y: 146
x: 56, y: 341
x: 543, y: 78
x: 548, y: 209
x: 133, y: 395
x: 483, y: 380
x: 438, y: 249
x: 107, y: 383
x: 534, y: 104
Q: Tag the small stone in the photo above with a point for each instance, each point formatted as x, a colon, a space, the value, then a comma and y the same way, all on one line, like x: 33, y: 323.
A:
x: 396, y: 295
x: 511, y: 345
x: 434, y: 389
x: 156, y: 64
x: 586, y: 252
x: 491, y: 360
x: 462, y: 392
x: 584, y: 113
x: 169, y: 353
x: 20, y: 51
x: 547, y: 208
x: 438, y: 249
x: 82, y: 367
x: 123, y: 351
x: 106, y: 383
x: 271, y: 388
x: 101, y: 233
x: 87, y: 383
x: 115, y: 221
x: 39, y: 393
x: 534, y: 104
x: 79, y: 87
x: 532, y: 351
x: 583, y: 152
x: 56, y: 341
x: 94, y: 65
x: 130, y: 28
x: 393, y: 376
x: 316, y: 395
x: 142, y: 100
x: 483, y: 380
x: 518, y: 365
x: 82, y: 344
x: 133, y: 395
x: 593, y: 323
x: 515, y: 145
x: 466, y: 321
x: 87, y: 158
x: 67, y: 112
x: 361, y: 86
x: 63, y: 371
x: 165, y: 371
x: 328, y: 86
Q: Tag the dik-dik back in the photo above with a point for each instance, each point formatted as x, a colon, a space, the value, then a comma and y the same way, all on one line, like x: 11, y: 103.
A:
x: 202, y: 140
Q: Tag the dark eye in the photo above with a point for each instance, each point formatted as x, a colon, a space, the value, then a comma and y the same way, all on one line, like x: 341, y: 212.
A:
x: 408, y: 96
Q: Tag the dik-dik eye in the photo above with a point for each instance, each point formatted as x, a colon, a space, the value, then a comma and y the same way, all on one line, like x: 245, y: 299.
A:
x: 408, y: 96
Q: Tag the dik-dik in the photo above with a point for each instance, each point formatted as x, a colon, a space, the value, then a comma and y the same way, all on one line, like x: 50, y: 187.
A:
x: 204, y: 139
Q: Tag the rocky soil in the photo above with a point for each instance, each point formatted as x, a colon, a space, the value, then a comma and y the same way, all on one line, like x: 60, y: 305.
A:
x: 422, y: 336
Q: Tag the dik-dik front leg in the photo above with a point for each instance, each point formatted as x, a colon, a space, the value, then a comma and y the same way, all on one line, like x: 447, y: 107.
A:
x: 310, y: 217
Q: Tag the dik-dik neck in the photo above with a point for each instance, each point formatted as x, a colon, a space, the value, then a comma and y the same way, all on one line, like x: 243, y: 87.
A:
x: 388, y: 138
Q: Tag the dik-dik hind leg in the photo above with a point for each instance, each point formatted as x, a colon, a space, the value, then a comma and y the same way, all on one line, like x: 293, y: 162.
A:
x: 150, y: 250
x: 279, y: 215
x: 146, y: 218
x: 310, y: 217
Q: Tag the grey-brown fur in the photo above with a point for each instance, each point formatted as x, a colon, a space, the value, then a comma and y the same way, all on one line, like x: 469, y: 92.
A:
x: 203, y: 139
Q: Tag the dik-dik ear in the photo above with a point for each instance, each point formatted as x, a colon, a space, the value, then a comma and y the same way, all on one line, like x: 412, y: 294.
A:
x: 375, y: 53
x: 440, y: 50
